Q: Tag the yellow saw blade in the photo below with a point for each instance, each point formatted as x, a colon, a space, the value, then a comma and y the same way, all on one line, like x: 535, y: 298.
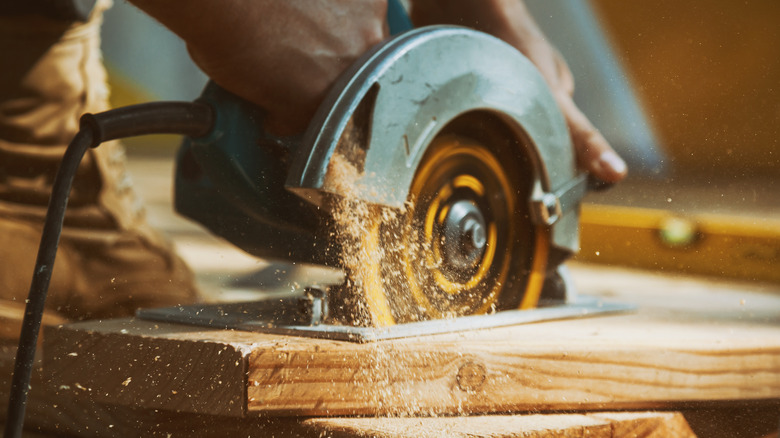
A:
x: 463, y: 245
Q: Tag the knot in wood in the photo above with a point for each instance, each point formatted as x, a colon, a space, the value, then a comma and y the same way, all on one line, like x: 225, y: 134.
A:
x: 471, y: 376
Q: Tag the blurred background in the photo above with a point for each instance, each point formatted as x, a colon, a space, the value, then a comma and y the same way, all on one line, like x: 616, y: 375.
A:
x: 708, y: 74
x: 688, y: 92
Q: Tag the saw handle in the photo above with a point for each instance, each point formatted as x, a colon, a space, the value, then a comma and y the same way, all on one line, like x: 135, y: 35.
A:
x: 397, y: 18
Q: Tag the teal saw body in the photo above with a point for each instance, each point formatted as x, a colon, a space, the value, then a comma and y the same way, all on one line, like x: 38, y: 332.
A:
x: 450, y: 120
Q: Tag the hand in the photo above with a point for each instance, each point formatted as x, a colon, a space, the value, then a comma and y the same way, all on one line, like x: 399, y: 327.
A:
x: 280, y: 54
x: 511, y: 21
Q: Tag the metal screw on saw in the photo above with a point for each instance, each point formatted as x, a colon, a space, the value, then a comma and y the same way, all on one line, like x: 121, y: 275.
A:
x: 315, y: 303
x: 474, y: 237
x: 464, y: 234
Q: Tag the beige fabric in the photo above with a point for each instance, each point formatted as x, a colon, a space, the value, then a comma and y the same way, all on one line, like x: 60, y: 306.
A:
x: 52, y: 76
x: 110, y: 261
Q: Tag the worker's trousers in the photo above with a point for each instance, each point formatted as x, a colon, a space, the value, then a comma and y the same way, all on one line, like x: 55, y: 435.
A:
x: 110, y: 262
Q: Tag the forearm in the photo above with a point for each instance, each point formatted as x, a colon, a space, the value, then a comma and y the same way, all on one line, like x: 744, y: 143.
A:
x: 280, y: 54
x: 216, y: 27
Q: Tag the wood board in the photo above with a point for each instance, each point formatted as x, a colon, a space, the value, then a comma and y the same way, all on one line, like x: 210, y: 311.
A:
x: 52, y: 413
x: 692, y: 341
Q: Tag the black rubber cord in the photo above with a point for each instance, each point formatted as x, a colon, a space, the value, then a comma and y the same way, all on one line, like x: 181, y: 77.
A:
x: 186, y: 118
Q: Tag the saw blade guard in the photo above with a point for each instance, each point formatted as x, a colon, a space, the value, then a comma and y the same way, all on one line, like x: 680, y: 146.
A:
x: 383, y: 114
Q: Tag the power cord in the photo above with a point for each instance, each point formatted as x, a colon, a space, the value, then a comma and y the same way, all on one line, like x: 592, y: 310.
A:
x: 185, y: 118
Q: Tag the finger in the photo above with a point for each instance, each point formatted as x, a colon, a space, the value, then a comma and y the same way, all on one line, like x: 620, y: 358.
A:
x: 594, y: 153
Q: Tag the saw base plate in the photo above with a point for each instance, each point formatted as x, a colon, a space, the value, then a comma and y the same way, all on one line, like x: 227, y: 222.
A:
x: 301, y: 316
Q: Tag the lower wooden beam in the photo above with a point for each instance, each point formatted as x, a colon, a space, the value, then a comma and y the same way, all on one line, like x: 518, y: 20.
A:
x: 595, y: 425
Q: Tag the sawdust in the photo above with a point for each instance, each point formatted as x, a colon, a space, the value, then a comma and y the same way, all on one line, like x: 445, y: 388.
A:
x: 356, y: 226
x: 389, y: 264
x: 376, y: 270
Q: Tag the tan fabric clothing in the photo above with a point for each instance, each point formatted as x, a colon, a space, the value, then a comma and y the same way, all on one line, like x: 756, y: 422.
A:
x: 110, y: 261
x: 54, y: 74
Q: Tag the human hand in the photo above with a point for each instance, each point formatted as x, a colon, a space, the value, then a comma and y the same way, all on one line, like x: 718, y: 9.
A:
x: 282, y: 55
x: 510, y: 21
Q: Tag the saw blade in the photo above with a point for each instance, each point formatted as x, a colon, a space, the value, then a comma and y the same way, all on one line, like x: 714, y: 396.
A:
x: 464, y: 245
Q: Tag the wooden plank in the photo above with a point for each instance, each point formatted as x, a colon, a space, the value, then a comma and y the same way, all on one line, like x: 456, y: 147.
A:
x: 58, y: 413
x: 605, y: 367
x: 597, y: 425
x: 691, y: 341
x: 646, y: 424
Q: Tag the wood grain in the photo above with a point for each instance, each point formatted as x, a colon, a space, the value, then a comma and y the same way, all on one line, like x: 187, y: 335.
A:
x: 607, y: 367
x: 691, y: 341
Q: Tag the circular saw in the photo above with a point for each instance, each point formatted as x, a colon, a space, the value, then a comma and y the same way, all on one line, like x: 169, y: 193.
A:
x: 438, y: 173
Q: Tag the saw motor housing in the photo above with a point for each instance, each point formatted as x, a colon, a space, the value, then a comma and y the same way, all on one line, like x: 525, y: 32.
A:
x: 269, y: 195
